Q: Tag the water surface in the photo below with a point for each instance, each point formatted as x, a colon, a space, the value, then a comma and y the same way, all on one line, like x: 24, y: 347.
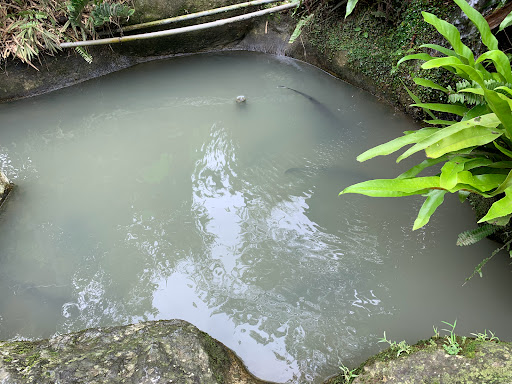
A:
x: 150, y: 194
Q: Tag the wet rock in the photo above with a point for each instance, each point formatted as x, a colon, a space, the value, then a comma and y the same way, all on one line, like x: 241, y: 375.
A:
x: 172, y: 351
x: 18, y: 80
x: 491, y: 363
x: 5, y: 187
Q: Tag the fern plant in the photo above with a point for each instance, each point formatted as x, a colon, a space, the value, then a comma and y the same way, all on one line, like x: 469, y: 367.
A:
x: 82, y: 51
x: 102, y: 12
x: 475, y: 148
x: 473, y: 236
x: 110, y: 13
x: 476, y: 152
x: 75, y: 11
x: 460, y: 96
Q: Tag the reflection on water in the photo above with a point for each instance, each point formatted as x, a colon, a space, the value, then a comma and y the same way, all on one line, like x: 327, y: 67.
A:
x: 150, y: 194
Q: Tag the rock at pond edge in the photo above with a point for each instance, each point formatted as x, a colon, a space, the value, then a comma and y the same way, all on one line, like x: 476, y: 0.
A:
x: 167, y: 351
x: 5, y: 187
x: 482, y: 362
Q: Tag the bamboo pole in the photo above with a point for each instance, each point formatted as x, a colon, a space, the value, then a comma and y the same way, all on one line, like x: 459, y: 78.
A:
x: 150, y: 35
x: 194, y: 15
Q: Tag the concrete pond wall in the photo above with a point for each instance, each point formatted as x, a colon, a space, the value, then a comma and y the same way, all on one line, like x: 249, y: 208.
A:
x: 175, y: 351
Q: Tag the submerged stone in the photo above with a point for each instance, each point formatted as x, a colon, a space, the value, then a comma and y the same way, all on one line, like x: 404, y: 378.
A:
x: 171, y: 351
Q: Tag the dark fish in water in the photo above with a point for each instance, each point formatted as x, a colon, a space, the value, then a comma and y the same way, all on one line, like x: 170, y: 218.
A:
x: 321, y: 107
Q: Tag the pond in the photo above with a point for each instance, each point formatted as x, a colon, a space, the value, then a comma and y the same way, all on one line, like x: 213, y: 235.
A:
x: 151, y: 194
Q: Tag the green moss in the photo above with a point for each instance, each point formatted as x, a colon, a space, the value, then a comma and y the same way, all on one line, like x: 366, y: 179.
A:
x: 23, y: 348
x: 32, y: 359
x: 219, y: 358
x: 373, y: 46
x: 469, y: 349
x: 484, y: 362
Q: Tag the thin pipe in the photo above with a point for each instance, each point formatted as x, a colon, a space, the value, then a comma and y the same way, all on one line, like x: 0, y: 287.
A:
x: 194, y: 15
x: 176, y: 31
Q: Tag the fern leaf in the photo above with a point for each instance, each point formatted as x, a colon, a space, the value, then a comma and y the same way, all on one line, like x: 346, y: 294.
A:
x: 108, y: 12
x: 298, y: 29
x: 475, y: 235
x: 85, y: 55
x: 75, y: 9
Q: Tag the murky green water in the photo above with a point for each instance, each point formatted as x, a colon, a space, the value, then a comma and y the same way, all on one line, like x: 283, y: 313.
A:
x: 150, y: 194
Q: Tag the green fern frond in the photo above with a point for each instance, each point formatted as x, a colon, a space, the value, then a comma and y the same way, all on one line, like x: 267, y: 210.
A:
x: 475, y: 235
x: 75, y: 9
x: 471, y: 98
x: 110, y: 12
x: 85, y: 55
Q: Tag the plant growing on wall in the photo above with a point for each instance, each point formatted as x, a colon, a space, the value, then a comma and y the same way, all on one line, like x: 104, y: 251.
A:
x: 351, y: 4
x: 102, y: 13
x: 32, y: 34
x: 383, y: 7
x: 30, y: 27
x: 474, y: 149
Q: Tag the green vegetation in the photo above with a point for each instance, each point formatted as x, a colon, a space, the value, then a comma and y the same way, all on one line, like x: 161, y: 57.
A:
x: 452, y: 346
x: 507, y: 22
x: 351, y: 4
x: 399, y: 348
x: 371, y: 42
x: 481, y: 337
x: 218, y: 357
x: 450, y: 343
x: 347, y: 375
x: 31, y: 27
x: 473, y: 236
x: 474, y: 147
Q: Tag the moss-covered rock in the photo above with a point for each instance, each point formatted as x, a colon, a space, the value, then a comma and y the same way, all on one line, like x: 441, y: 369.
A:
x: 479, y: 362
x: 5, y: 187
x: 172, y: 351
